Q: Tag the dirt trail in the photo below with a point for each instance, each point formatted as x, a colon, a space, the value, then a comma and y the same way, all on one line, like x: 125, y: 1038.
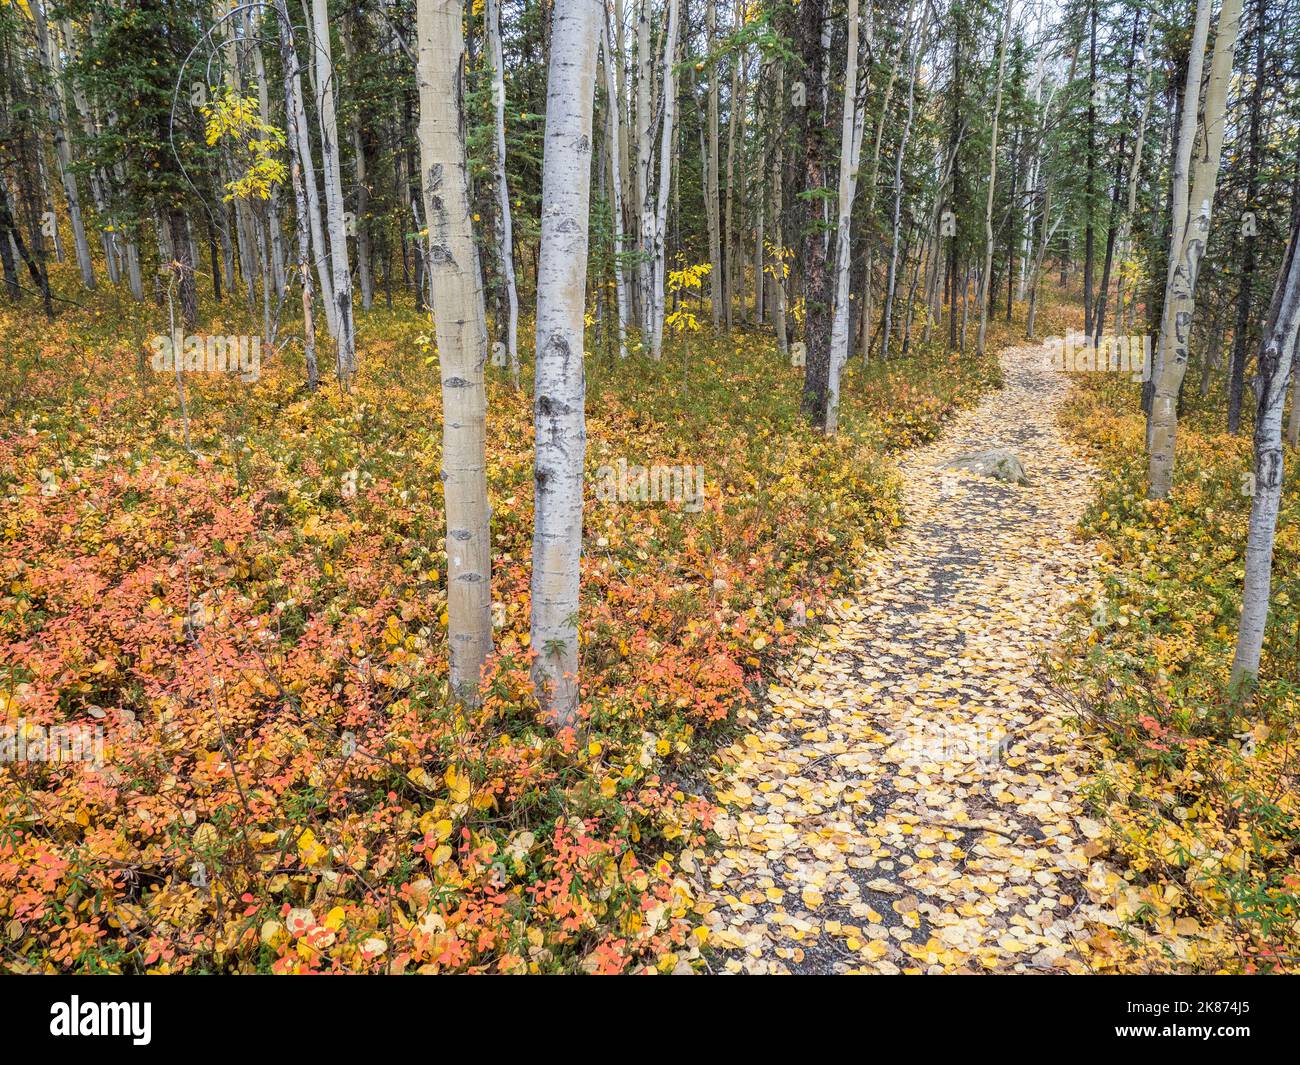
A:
x: 910, y: 797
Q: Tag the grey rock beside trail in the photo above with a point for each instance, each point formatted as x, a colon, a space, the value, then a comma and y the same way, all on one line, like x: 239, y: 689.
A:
x: 998, y: 463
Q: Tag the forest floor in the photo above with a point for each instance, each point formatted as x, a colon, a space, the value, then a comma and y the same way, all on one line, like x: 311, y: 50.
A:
x: 912, y: 794
x: 911, y: 797
x: 334, y: 811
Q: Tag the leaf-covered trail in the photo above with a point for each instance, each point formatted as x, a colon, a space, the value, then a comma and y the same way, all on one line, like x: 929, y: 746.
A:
x: 910, y: 796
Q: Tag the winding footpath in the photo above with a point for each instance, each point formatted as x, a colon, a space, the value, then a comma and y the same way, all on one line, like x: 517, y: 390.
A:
x: 910, y: 797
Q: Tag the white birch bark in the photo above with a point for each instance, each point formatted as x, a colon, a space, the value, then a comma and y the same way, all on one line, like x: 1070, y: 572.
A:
x: 1182, y: 162
x: 338, y: 234
x: 645, y: 139
x: 711, y: 191
x: 130, y: 243
x: 302, y: 134
x: 622, y: 115
x: 735, y: 129
x: 778, y: 220
x: 665, y: 180
x: 868, y: 274
x: 278, y: 254
x: 1035, y: 166
x: 1277, y: 363
x: 99, y: 178
x: 1046, y: 232
x: 505, y: 230
x: 245, y: 224
x: 760, y: 199
x: 986, y: 278
x: 1180, y: 300
x: 616, y: 184
x: 365, y: 278
x: 559, y: 416
x: 461, y: 332
x: 852, y: 124
x: 304, y: 240
x: 891, y: 277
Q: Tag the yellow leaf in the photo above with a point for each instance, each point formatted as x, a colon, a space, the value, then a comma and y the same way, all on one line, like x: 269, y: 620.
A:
x: 310, y: 850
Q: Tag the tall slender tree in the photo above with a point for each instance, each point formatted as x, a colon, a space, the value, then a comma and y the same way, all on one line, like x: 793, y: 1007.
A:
x: 852, y: 123
x: 1276, y: 364
x: 986, y: 277
x: 1188, y: 253
x: 559, y: 414
x: 457, y: 300
x: 505, y: 225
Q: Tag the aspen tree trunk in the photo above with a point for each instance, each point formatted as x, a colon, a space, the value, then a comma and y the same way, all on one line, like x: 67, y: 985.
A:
x: 294, y: 105
x: 364, y: 251
x: 616, y: 184
x: 760, y: 200
x: 909, y: 304
x: 47, y: 196
x: 505, y: 227
x: 1089, y: 232
x: 278, y: 279
x: 245, y: 222
x: 868, y: 273
x: 559, y: 407
x: 62, y: 149
x: 304, y: 247
x: 986, y: 278
x: 461, y: 331
x: 778, y: 215
x: 1036, y: 273
x: 735, y: 118
x: 1180, y: 299
x: 622, y: 119
x: 134, y: 276
x: 244, y: 238
x: 1246, y: 287
x: 329, y: 150
x: 666, y: 146
x: 851, y: 127
x: 359, y: 173
x: 1182, y: 163
x: 1047, y: 228
x: 891, y: 279
x: 712, y: 198
x: 99, y: 178
x: 645, y: 201
x: 954, y: 136
x: 1277, y: 362
x: 1035, y: 170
